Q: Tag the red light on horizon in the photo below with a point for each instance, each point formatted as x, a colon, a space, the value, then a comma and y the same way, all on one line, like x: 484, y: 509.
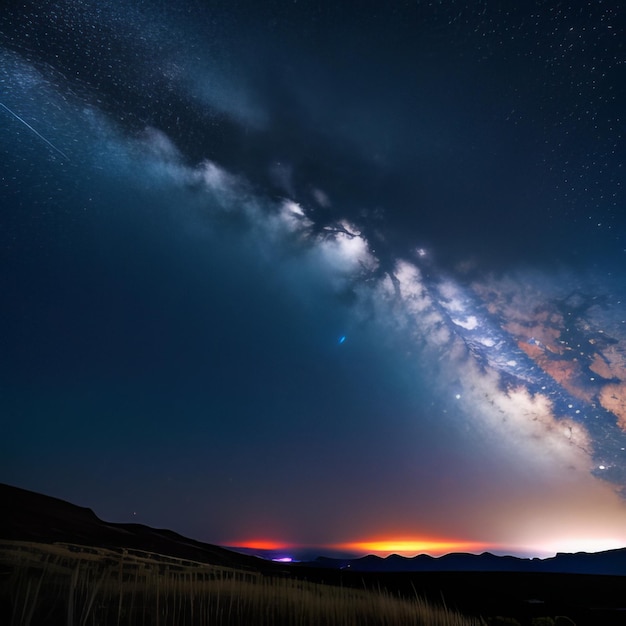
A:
x: 260, y: 544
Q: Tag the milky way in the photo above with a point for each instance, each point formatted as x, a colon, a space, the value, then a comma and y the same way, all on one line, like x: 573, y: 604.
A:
x: 316, y: 276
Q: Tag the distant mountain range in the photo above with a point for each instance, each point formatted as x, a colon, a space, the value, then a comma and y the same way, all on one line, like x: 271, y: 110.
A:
x: 30, y: 516
x: 610, y: 562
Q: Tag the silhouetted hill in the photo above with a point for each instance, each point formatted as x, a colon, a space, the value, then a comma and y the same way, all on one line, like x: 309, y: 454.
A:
x: 30, y: 516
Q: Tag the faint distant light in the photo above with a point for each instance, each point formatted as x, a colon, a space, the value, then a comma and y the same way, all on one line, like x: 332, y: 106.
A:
x: 421, y: 253
x: 342, y: 339
x: 283, y: 559
x: 458, y: 396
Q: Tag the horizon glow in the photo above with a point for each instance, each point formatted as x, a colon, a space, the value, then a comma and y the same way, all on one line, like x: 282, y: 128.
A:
x: 408, y: 547
x: 435, y: 549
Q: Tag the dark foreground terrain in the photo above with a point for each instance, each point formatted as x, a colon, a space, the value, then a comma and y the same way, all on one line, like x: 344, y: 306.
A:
x: 60, y: 564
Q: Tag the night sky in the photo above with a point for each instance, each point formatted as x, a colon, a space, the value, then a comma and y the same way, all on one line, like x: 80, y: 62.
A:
x: 318, y: 276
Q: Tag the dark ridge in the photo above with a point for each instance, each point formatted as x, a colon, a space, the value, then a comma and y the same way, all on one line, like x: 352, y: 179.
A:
x: 608, y: 563
x: 30, y: 516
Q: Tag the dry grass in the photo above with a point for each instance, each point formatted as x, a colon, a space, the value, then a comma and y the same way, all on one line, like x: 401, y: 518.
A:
x: 80, y: 586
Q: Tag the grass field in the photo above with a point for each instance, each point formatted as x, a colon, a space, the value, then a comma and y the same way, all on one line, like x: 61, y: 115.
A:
x: 71, y: 585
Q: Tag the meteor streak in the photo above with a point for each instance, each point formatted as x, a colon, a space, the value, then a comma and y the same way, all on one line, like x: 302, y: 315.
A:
x: 15, y: 115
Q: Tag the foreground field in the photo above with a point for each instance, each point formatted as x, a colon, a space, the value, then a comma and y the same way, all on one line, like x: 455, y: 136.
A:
x: 49, y: 576
x: 77, y: 585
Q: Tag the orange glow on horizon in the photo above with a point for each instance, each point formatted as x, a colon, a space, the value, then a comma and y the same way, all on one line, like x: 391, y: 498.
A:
x: 380, y: 547
x: 412, y: 547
